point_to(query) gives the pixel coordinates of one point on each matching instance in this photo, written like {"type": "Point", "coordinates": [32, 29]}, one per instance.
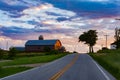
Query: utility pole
{"type": "Point", "coordinates": [106, 40]}
{"type": "Point", "coordinates": [7, 45]}
{"type": "Point", "coordinates": [101, 46]}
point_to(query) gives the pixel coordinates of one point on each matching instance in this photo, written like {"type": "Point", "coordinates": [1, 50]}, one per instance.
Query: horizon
{"type": "Point", "coordinates": [64, 20]}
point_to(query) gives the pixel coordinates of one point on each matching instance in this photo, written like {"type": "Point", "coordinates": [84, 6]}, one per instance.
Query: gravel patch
{"type": "Point", "coordinates": [26, 65]}
{"type": "Point", "coordinates": [5, 60]}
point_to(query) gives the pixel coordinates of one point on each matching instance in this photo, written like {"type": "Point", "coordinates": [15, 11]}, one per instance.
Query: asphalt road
{"type": "Point", "coordinates": [70, 67]}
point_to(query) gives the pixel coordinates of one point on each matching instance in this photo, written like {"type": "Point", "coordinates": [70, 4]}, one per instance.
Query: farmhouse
{"type": "Point", "coordinates": [40, 45]}
{"type": "Point", "coordinates": [113, 45]}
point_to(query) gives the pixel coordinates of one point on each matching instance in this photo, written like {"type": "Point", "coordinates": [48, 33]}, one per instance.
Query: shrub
{"type": "Point", "coordinates": [62, 49]}
{"type": "Point", "coordinates": [53, 52]}
{"type": "Point", "coordinates": [12, 53]}
{"type": "Point", "coordinates": [1, 53]}
{"type": "Point", "coordinates": [0, 68]}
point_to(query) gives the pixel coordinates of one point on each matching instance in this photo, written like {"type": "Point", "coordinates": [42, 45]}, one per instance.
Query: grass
{"type": "Point", "coordinates": [23, 54]}
{"type": "Point", "coordinates": [25, 60]}
{"type": "Point", "coordinates": [32, 60]}
{"type": "Point", "coordinates": [110, 60]}
{"type": "Point", "coordinates": [12, 70]}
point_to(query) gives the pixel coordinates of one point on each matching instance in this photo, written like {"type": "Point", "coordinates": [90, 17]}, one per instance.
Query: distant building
{"type": "Point", "coordinates": [40, 45]}
{"type": "Point", "coordinates": [113, 46]}
{"type": "Point", "coordinates": [20, 48]}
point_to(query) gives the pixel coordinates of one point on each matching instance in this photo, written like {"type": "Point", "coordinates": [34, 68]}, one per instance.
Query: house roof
{"type": "Point", "coordinates": [41, 42]}
{"type": "Point", "coordinates": [114, 43]}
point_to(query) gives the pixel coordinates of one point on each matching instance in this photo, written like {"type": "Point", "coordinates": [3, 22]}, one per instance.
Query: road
{"type": "Point", "coordinates": [70, 67]}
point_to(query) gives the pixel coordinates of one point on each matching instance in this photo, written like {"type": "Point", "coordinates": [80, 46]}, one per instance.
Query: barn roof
{"type": "Point", "coordinates": [41, 42]}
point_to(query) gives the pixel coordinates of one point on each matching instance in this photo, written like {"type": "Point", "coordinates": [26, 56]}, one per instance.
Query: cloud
{"type": "Point", "coordinates": [89, 8]}
{"type": "Point", "coordinates": [29, 19]}
{"type": "Point", "coordinates": [6, 42]}
{"type": "Point", "coordinates": [64, 22]}
{"type": "Point", "coordinates": [10, 8]}
{"type": "Point", "coordinates": [96, 0]}
{"type": "Point", "coordinates": [99, 1]}
{"type": "Point", "coordinates": [28, 3]}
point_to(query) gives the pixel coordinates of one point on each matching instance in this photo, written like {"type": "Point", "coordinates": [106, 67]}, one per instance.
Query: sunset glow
{"type": "Point", "coordinates": [64, 20]}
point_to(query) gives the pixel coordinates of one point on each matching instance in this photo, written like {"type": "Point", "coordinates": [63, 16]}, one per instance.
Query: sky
{"type": "Point", "coordinates": [22, 20]}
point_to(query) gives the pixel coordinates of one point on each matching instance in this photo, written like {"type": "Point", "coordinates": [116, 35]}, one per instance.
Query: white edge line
{"type": "Point", "coordinates": [105, 75]}
{"type": "Point", "coordinates": [101, 70]}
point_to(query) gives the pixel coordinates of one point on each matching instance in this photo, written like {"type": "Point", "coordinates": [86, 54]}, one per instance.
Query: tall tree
{"type": "Point", "coordinates": [117, 34]}
{"type": "Point", "coordinates": [117, 37]}
{"type": "Point", "coordinates": [89, 38]}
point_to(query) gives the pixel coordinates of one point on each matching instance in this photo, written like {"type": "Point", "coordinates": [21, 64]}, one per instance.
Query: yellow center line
{"type": "Point", "coordinates": [62, 71]}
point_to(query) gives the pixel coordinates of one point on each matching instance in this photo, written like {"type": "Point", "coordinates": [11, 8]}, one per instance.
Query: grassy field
{"type": "Point", "coordinates": [9, 71]}
{"type": "Point", "coordinates": [110, 60]}
{"type": "Point", "coordinates": [32, 60]}
{"type": "Point", "coordinates": [25, 60]}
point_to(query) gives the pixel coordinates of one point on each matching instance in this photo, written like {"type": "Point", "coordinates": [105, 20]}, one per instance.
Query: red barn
{"type": "Point", "coordinates": [40, 45]}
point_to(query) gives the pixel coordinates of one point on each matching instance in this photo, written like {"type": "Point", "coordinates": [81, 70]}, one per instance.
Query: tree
{"type": "Point", "coordinates": [90, 38]}
{"type": "Point", "coordinates": [117, 34]}
{"type": "Point", "coordinates": [62, 49]}
{"type": "Point", "coordinates": [12, 53]}
{"type": "Point", "coordinates": [1, 53]}
{"type": "Point", "coordinates": [0, 68]}
{"type": "Point", "coordinates": [41, 37]}
{"type": "Point", "coordinates": [117, 37]}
